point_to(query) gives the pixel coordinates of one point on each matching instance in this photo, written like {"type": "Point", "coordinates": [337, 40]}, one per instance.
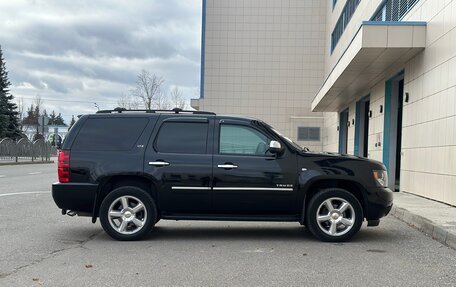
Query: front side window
{"type": "Point", "coordinates": [182, 137]}
{"type": "Point", "coordinates": [236, 139]}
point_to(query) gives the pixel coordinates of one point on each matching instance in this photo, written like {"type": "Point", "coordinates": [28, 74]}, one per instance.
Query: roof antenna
{"type": "Point", "coordinates": [177, 110]}
{"type": "Point", "coordinates": [119, 109]}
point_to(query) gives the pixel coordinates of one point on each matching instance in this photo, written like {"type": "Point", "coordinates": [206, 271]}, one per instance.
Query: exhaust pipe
{"type": "Point", "coordinates": [71, 213]}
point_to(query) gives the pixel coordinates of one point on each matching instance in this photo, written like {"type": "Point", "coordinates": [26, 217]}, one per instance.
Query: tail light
{"type": "Point", "coordinates": [64, 166]}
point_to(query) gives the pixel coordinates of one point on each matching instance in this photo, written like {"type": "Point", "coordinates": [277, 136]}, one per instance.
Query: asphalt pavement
{"type": "Point", "coordinates": [40, 247]}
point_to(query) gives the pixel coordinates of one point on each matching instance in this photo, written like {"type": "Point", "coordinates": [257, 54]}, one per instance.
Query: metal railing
{"type": "Point", "coordinates": [25, 150]}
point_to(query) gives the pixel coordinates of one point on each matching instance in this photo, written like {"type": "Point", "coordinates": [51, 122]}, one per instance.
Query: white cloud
{"type": "Point", "coordinates": [91, 51]}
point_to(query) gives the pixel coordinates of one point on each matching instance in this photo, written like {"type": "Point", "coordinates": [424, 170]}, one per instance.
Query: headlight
{"type": "Point", "coordinates": [381, 177]}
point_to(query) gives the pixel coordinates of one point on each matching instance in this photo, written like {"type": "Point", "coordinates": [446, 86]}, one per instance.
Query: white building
{"type": "Point", "coordinates": [366, 77]}
{"type": "Point", "coordinates": [265, 58]}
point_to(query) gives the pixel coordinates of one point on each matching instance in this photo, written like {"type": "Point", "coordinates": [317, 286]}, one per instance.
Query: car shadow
{"type": "Point", "coordinates": [250, 233]}
{"type": "Point", "coordinates": [270, 233]}
{"type": "Point", "coordinates": [232, 233]}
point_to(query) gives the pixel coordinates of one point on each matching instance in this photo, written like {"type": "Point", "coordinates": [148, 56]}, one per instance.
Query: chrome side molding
{"type": "Point", "coordinates": [190, 188]}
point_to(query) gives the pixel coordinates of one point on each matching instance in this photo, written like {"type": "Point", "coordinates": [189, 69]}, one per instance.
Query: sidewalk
{"type": "Point", "coordinates": [435, 219]}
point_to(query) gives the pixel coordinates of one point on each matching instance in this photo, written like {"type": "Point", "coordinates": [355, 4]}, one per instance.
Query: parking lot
{"type": "Point", "coordinates": [40, 247]}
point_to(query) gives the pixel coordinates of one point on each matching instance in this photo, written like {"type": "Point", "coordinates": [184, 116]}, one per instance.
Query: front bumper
{"type": "Point", "coordinates": [79, 197]}
{"type": "Point", "coordinates": [379, 203]}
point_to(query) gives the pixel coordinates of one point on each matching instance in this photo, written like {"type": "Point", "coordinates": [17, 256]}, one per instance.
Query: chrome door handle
{"type": "Point", "coordinates": [158, 163]}
{"type": "Point", "coordinates": [227, 166]}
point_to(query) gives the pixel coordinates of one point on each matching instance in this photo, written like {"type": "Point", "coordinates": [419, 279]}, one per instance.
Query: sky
{"type": "Point", "coordinates": [76, 53]}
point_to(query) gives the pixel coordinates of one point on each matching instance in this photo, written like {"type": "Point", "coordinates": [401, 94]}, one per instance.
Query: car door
{"type": "Point", "coordinates": [179, 161]}
{"type": "Point", "coordinates": [248, 179]}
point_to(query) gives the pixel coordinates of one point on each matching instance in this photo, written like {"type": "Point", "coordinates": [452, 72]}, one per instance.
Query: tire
{"type": "Point", "coordinates": [128, 213]}
{"type": "Point", "coordinates": [336, 225]}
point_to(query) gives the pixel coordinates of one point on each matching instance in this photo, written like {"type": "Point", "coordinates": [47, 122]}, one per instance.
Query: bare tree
{"type": "Point", "coordinates": [38, 107]}
{"type": "Point", "coordinates": [38, 101]}
{"type": "Point", "coordinates": [177, 99]}
{"type": "Point", "coordinates": [161, 101]}
{"type": "Point", "coordinates": [148, 90]}
{"type": "Point", "coordinates": [128, 102]}
{"type": "Point", "coordinates": [20, 107]}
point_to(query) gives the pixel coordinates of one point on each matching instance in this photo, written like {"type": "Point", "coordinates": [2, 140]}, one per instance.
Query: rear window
{"type": "Point", "coordinates": [179, 137]}
{"type": "Point", "coordinates": [110, 134]}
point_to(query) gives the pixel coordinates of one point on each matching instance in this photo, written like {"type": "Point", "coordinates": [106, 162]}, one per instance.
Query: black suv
{"type": "Point", "coordinates": [133, 168]}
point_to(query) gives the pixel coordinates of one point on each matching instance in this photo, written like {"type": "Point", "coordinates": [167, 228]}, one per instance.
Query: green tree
{"type": "Point", "coordinates": [9, 116]}
{"type": "Point", "coordinates": [52, 117]}
{"type": "Point", "coordinates": [56, 120]}
{"type": "Point", "coordinates": [32, 115]}
{"type": "Point", "coordinates": [59, 120]}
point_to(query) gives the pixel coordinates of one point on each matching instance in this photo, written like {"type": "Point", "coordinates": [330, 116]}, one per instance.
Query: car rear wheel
{"type": "Point", "coordinates": [128, 213]}
{"type": "Point", "coordinates": [334, 215]}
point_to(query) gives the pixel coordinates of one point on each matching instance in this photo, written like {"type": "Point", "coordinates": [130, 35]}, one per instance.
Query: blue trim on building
{"type": "Point", "coordinates": [359, 106]}
{"type": "Point", "coordinates": [203, 46]}
{"type": "Point", "coordinates": [357, 124]}
{"type": "Point", "coordinates": [387, 123]}
{"type": "Point", "coordinates": [387, 119]}
{"type": "Point", "coordinates": [343, 119]}
{"type": "Point", "coordinates": [395, 23]}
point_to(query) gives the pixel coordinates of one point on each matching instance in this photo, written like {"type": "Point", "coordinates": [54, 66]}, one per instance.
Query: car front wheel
{"type": "Point", "coordinates": [334, 215]}
{"type": "Point", "coordinates": [128, 213]}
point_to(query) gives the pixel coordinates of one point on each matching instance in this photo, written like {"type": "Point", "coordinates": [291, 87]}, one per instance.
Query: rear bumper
{"type": "Point", "coordinates": [380, 202]}
{"type": "Point", "coordinates": [78, 197]}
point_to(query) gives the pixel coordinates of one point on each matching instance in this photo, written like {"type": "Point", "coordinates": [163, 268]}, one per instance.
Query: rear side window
{"type": "Point", "coordinates": [111, 134]}
{"type": "Point", "coordinates": [181, 137]}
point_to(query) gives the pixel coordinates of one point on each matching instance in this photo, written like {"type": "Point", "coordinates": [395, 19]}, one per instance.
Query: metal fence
{"type": "Point", "coordinates": [25, 150]}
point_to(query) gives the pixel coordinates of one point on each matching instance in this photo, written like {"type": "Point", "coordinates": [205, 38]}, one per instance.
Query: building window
{"type": "Point", "coordinates": [308, 134]}
{"type": "Point", "coordinates": [345, 16]}
{"type": "Point", "coordinates": [393, 10]}
{"type": "Point", "coordinates": [334, 3]}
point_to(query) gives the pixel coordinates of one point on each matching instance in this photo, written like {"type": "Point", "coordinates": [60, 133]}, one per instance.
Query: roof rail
{"type": "Point", "coordinates": [175, 110]}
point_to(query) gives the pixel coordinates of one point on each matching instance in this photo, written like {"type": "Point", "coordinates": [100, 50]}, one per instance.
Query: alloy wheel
{"type": "Point", "coordinates": [127, 214]}
{"type": "Point", "coordinates": [335, 216]}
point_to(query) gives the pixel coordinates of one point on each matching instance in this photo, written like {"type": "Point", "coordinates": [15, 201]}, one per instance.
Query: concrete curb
{"type": "Point", "coordinates": [425, 225]}
{"type": "Point", "coordinates": [25, 162]}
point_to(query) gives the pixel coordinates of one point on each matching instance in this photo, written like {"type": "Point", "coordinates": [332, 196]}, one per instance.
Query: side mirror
{"type": "Point", "coordinates": [275, 147]}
